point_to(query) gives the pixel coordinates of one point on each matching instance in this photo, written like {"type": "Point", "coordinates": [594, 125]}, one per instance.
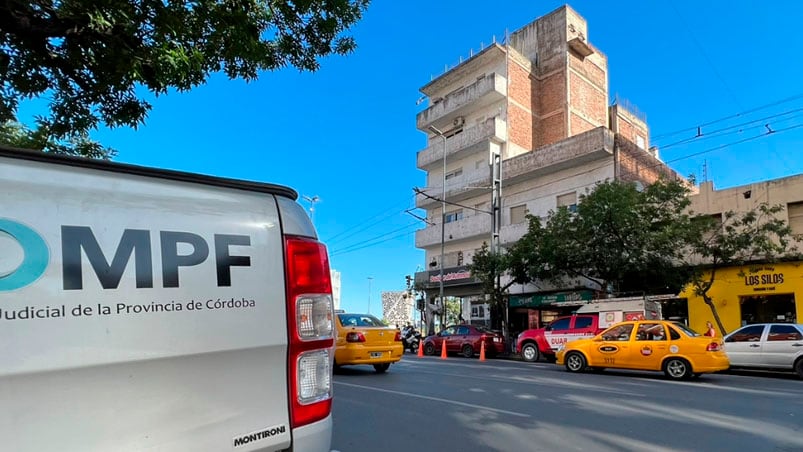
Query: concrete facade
{"type": "Point", "coordinates": [540, 101]}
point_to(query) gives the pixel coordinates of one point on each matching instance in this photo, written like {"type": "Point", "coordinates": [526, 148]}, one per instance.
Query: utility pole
{"type": "Point", "coordinates": [441, 303]}
{"type": "Point", "coordinates": [496, 224]}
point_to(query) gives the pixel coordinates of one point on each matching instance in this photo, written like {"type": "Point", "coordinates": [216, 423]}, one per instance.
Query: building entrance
{"type": "Point", "coordinates": [768, 309]}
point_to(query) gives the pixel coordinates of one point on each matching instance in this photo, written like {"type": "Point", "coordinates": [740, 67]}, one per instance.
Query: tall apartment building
{"type": "Point", "coordinates": [540, 102]}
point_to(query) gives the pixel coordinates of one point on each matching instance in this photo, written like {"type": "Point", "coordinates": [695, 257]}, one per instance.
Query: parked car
{"type": "Point", "coordinates": [534, 343]}
{"type": "Point", "coordinates": [647, 345]}
{"type": "Point", "coordinates": [466, 340]}
{"type": "Point", "coordinates": [772, 346]}
{"type": "Point", "coordinates": [364, 339]}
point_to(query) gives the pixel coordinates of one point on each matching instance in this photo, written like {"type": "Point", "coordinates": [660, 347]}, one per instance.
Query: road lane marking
{"type": "Point", "coordinates": [436, 399]}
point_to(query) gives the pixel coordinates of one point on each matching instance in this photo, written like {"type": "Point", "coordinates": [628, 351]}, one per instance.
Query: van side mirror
{"type": "Point", "coordinates": [548, 328]}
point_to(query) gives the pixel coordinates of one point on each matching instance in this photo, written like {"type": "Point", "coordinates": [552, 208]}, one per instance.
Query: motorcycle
{"type": "Point", "coordinates": [411, 339]}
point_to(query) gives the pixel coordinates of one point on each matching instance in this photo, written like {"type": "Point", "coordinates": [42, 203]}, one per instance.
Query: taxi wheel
{"type": "Point", "coordinates": [381, 368]}
{"type": "Point", "coordinates": [429, 349]}
{"type": "Point", "coordinates": [468, 351]}
{"type": "Point", "coordinates": [529, 353]}
{"type": "Point", "coordinates": [575, 362]}
{"type": "Point", "coordinates": [677, 369]}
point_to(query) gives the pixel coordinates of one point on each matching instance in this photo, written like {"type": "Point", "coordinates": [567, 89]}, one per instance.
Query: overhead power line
{"type": "Point", "coordinates": [736, 128]}
{"type": "Point", "coordinates": [374, 240]}
{"type": "Point", "coordinates": [364, 225]}
{"type": "Point", "coordinates": [726, 118]}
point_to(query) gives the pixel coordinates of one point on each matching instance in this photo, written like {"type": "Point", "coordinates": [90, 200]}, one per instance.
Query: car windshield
{"type": "Point", "coordinates": [689, 332]}
{"type": "Point", "coordinates": [359, 320]}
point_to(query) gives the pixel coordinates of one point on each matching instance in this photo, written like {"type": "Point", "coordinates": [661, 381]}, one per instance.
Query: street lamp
{"type": "Point", "coordinates": [370, 278]}
{"type": "Point", "coordinates": [443, 220]}
{"type": "Point", "coordinates": [312, 200]}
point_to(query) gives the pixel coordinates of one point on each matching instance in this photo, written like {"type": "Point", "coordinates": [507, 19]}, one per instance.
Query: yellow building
{"type": "Point", "coordinates": [750, 294]}
{"type": "Point", "coordinates": [760, 293]}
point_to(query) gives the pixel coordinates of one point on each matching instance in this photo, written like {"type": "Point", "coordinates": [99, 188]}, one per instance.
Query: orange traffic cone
{"type": "Point", "coordinates": [443, 349]}
{"type": "Point", "coordinates": [482, 351]}
{"type": "Point", "coordinates": [420, 349]}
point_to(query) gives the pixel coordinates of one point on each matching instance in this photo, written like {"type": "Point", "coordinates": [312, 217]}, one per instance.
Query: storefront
{"type": "Point", "coordinates": [751, 294]}
{"type": "Point", "coordinates": [536, 310]}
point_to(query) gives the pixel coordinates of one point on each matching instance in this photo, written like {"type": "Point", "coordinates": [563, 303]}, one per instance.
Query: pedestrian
{"type": "Point", "coordinates": [710, 331]}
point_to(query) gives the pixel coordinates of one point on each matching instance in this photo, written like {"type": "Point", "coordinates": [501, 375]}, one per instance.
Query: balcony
{"type": "Point", "coordinates": [476, 225]}
{"type": "Point", "coordinates": [482, 93]}
{"type": "Point", "coordinates": [471, 141]}
{"type": "Point", "coordinates": [468, 185]}
{"type": "Point", "coordinates": [587, 147]}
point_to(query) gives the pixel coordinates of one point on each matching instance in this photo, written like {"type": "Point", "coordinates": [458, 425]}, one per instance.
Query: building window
{"type": "Point", "coordinates": [453, 174]}
{"type": "Point", "coordinates": [454, 216]}
{"type": "Point", "coordinates": [640, 142]}
{"type": "Point", "coordinates": [518, 214]}
{"type": "Point", "coordinates": [569, 200]}
{"type": "Point", "coordinates": [795, 211]}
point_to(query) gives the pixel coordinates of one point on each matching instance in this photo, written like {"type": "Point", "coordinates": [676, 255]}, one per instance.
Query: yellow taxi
{"type": "Point", "coordinates": [656, 345]}
{"type": "Point", "coordinates": [364, 339]}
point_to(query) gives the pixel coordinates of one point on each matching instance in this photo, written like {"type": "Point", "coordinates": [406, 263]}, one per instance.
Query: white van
{"type": "Point", "coordinates": [143, 309]}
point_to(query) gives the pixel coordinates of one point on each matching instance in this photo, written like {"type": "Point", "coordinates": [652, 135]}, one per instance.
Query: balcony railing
{"type": "Point", "coordinates": [470, 227]}
{"type": "Point", "coordinates": [466, 186]}
{"type": "Point", "coordinates": [483, 92]}
{"type": "Point", "coordinates": [471, 140]}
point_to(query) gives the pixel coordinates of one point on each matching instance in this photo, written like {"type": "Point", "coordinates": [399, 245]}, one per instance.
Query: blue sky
{"type": "Point", "coordinates": [347, 132]}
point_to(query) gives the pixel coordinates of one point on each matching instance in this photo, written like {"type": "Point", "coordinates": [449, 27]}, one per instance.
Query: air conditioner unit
{"type": "Point", "coordinates": [459, 121]}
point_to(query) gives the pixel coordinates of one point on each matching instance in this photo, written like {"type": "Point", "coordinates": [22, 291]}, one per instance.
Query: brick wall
{"type": "Point", "coordinates": [635, 164]}
{"type": "Point", "coordinates": [587, 102]}
{"type": "Point", "coordinates": [628, 125]}
{"type": "Point", "coordinates": [553, 128]}
{"type": "Point", "coordinates": [520, 106]}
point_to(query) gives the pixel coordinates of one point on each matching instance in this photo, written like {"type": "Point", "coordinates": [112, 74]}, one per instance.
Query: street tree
{"type": "Point", "coordinates": [95, 61]}
{"type": "Point", "coordinates": [737, 239]}
{"type": "Point", "coordinates": [620, 238]}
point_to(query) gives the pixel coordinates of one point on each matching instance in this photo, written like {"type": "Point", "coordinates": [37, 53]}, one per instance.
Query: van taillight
{"type": "Point", "coordinates": [310, 330]}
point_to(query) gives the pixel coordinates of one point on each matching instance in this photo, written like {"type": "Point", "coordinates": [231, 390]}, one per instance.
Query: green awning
{"type": "Point", "coordinates": [550, 299]}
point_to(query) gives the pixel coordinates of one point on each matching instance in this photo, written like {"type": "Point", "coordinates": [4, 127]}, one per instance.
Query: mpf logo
{"type": "Point", "coordinates": [16, 274]}
{"type": "Point", "coordinates": [79, 244]}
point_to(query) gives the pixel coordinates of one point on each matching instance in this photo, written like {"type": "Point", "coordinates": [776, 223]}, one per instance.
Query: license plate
{"type": "Point", "coordinates": [376, 354]}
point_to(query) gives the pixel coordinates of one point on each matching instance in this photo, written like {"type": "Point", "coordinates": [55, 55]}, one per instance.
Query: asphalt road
{"type": "Point", "coordinates": [458, 404]}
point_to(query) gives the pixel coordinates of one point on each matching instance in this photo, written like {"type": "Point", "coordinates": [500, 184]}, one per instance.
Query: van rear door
{"type": "Point", "coordinates": [139, 312]}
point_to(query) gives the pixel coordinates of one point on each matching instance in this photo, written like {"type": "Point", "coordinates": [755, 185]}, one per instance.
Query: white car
{"type": "Point", "coordinates": [771, 346]}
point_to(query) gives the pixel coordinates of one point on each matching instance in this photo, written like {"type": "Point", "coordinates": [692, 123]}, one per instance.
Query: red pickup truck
{"type": "Point", "coordinates": [534, 343]}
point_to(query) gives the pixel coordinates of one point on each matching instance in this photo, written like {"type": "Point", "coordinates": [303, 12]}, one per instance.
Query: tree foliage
{"type": "Point", "coordinates": [18, 135]}
{"type": "Point", "coordinates": [93, 59]}
{"type": "Point", "coordinates": [620, 238]}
